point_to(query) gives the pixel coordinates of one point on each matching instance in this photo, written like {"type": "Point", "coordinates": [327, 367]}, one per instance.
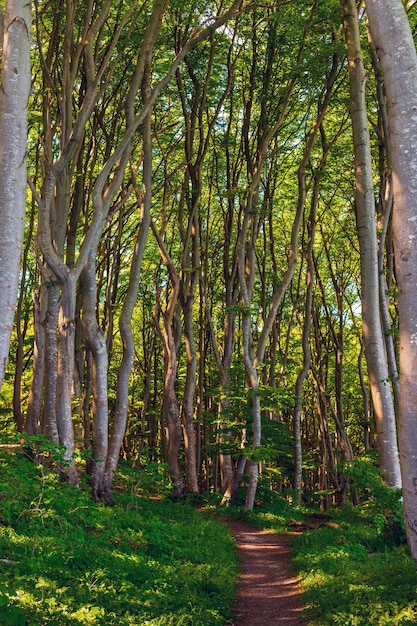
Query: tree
{"type": "Point", "coordinates": [375, 350]}
{"type": "Point", "coordinates": [225, 162]}
{"type": "Point", "coordinates": [91, 46]}
{"type": "Point", "coordinates": [14, 94]}
{"type": "Point", "coordinates": [391, 34]}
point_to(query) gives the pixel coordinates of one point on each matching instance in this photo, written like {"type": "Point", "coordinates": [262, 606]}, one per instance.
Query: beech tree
{"type": "Point", "coordinates": [230, 340]}
{"type": "Point", "coordinates": [395, 49]}
{"type": "Point", "coordinates": [15, 29]}
{"type": "Point", "coordinates": [375, 350]}
{"type": "Point", "coordinates": [89, 60]}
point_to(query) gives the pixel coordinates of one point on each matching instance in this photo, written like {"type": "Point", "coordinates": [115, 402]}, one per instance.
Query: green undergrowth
{"type": "Point", "coordinates": [144, 561]}
{"type": "Point", "coordinates": [347, 582]}
{"type": "Point", "coordinates": [355, 566]}
{"type": "Point", "coordinates": [357, 569]}
{"type": "Point", "coordinates": [148, 560]}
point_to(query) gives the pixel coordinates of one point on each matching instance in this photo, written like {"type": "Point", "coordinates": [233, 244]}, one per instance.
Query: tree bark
{"type": "Point", "coordinates": [366, 222]}
{"type": "Point", "coordinates": [33, 414]}
{"type": "Point", "coordinates": [14, 94]}
{"type": "Point", "coordinates": [395, 48]}
{"type": "Point", "coordinates": [170, 402]}
{"type": "Point", "coordinates": [96, 342]}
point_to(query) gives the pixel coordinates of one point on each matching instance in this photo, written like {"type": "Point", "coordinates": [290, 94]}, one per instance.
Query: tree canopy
{"type": "Point", "coordinates": [208, 276]}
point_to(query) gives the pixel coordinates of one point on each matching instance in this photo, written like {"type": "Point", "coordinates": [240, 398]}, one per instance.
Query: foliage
{"type": "Point", "coordinates": [208, 127]}
{"type": "Point", "coordinates": [66, 560]}
{"type": "Point", "coordinates": [353, 562]}
{"type": "Point", "coordinates": [356, 568]}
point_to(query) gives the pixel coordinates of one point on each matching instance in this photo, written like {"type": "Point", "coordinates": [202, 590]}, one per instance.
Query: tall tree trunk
{"type": "Point", "coordinates": [96, 342]}
{"type": "Point", "coordinates": [170, 402]}
{"type": "Point", "coordinates": [33, 415]}
{"type": "Point", "coordinates": [14, 94]}
{"type": "Point", "coordinates": [302, 375]}
{"type": "Point", "coordinates": [66, 359]}
{"type": "Point", "coordinates": [384, 212]}
{"type": "Point", "coordinates": [395, 48]}
{"type": "Point", "coordinates": [48, 423]}
{"type": "Point", "coordinates": [375, 353]}
{"type": "Point", "coordinates": [188, 399]}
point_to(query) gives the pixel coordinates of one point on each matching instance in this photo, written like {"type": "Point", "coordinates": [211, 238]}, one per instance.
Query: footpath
{"type": "Point", "coordinates": [268, 591]}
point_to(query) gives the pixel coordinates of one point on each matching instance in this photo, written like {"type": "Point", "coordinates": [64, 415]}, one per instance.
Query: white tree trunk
{"type": "Point", "coordinates": [14, 93]}
{"type": "Point", "coordinates": [395, 48]}
{"type": "Point", "coordinates": [375, 353]}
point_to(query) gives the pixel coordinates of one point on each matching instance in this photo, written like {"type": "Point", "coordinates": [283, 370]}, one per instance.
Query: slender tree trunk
{"type": "Point", "coordinates": [125, 326]}
{"type": "Point", "coordinates": [141, 79]}
{"type": "Point", "coordinates": [384, 211]}
{"type": "Point", "coordinates": [365, 395]}
{"type": "Point", "coordinates": [172, 413]}
{"type": "Point", "coordinates": [170, 402]}
{"type": "Point", "coordinates": [224, 363]}
{"type": "Point", "coordinates": [17, 382]}
{"type": "Point", "coordinates": [396, 51]}
{"type": "Point", "coordinates": [66, 357]}
{"type": "Point", "coordinates": [310, 277]}
{"type": "Point", "coordinates": [33, 415]}
{"type": "Point", "coordinates": [49, 422]}
{"type": "Point", "coordinates": [226, 464]}
{"type": "Point", "coordinates": [365, 207]}
{"type": "Point", "coordinates": [97, 344]}
{"type": "Point", "coordinates": [188, 399]}
{"type": "Point", "coordinates": [14, 94]}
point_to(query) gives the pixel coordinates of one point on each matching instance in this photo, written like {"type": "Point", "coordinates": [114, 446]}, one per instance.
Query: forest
{"type": "Point", "coordinates": [208, 281]}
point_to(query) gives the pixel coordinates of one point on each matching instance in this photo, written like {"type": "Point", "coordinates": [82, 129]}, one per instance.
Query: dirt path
{"type": "Point", "coordinates": [268, 591]}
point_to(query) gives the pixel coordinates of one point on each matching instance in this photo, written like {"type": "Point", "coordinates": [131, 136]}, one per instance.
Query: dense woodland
{"type": "Point", "coordinates": [201, 285]}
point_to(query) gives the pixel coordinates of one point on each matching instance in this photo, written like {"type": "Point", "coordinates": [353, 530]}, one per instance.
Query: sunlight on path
{"type": "Point", "coordinates": [268, 591]}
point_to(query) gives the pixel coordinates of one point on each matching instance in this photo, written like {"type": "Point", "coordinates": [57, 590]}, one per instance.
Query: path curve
{"type": "Point", "coordinates": [268, 590]}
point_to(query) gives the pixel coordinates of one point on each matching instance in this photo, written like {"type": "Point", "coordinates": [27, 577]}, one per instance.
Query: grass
{"type": "Point", "coordinates": [358, 572]}
{"type": "Point", "coordinates": [355, 569]}
{"type": "Point", "coordinates": [65, 560]}
{"type": "Point", "coordinates": [144, 561]}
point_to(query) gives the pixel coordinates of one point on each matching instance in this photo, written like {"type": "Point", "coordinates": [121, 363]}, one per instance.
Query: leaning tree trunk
{"type": "Point", "coordinates": [14, 94]}
{"type": "Point", "coordinates": [395, 48]}
{"type": "Point", "coordinates": [365, 208]}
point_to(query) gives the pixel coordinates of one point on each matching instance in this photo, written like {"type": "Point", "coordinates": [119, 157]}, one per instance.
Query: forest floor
{"type": "Point", "coordinates": [268, 590]}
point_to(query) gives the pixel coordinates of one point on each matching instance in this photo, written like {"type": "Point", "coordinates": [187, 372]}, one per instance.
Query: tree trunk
{"type": "Point", "coordinates": [384, 211]}
{"type": "Point", "coordinates": [188, 399]}
{"type": "Point", "coordinates": [66, 359]}
{"type": "Point", "coordinates": [170, 402]}
{"type": "Point", "coordinates": [172, 414]}
{"type": "Point", "coordinates": [306, 349]}
{"type": "Point", "coordinates": [14, 94]}
{"type": "Point", "coordinates": [395, 48]}
{"type": "Point", "coordinates": [365, 208]}
{"type": "Point", "coordinates": [33, 415]}
{"type": "Point", "coordinates": [96, 342]}
{"type": "Point", "coordinates": [48, 423]}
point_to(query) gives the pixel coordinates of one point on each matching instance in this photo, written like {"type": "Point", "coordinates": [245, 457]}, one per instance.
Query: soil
{"type": "Point", "coordinates": [268, 590]}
